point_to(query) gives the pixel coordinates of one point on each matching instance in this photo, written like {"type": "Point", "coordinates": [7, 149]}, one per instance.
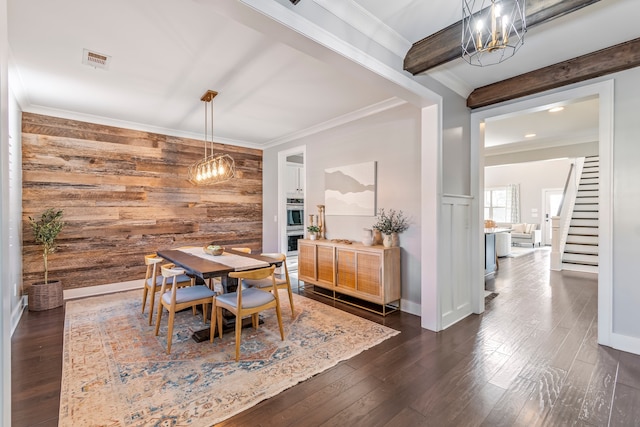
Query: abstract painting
{"type": "Point", "coordinates": [350, 190]}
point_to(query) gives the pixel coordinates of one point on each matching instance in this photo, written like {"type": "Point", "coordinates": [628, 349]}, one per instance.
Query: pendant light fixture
{"type": "Point", "coordinates": [212, 168]}
{"type": "Point", "coordinates": [492, 30]}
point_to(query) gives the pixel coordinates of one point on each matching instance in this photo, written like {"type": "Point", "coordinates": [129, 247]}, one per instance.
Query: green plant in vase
{"type": "Point", "coordinates": [45, 232]}
{"type": "Point", "coordinates": [313, 231]}
{"type": "Point", "coordinates": [390, 224]}
{"type": "Point", "coordinates": [43, 296]}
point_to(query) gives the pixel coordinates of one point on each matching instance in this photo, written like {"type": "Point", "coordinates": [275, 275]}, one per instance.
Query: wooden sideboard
{"type": "Point", "coordinates": [352, 272]}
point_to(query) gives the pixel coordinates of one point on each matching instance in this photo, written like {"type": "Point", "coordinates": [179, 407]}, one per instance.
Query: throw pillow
{"type": "Point", "coordinates": [529, 228]}
{"type": "Point", "coordinates": [518, 228]}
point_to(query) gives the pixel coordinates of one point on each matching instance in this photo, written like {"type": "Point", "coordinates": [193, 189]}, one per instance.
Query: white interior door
{"type": "Point", "coordinates": [552, 199]}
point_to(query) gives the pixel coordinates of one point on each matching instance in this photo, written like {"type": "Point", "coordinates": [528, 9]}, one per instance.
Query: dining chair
{"type": "Point", "coordinates": [245, 250]}
{"type": "Point", "coordinates": [245, 302]}
{"type": "Point", "coordinates": [153, 282]}
{"type": "Point", "coordinates": [282, 281]}
{"type": "Point", "coordinates": [177, 298]}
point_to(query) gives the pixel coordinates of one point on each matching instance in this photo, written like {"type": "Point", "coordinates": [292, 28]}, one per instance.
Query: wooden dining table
{"type": "Point", "coordinates": [206, 267]}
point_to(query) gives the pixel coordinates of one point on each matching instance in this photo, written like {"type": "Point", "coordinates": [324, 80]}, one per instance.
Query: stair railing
{"type": "Point", "coordinates": [562, 222]}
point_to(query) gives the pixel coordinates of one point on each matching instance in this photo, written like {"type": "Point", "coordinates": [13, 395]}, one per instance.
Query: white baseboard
{"type": "Point", "coordinates": [625, 343]}
{"type": "Point", "coordinates": [16, 313]}
{"type": "Point", "coordinates": [102, 289]}
{"type": "Point", "coordinates": [410, 307]}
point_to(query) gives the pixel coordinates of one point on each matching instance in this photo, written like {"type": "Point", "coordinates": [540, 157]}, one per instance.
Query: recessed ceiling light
{"type": "Point", "coordinates": [556, 109]}
{"type": "Point", "coordinates": [530, 135]}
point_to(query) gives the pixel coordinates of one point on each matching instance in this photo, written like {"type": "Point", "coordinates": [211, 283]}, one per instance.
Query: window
{"type": "Point", "coordinates": [495, 204]}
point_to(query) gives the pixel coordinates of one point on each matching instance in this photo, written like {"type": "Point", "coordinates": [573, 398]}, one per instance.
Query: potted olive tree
{"type": "Point", "coordinates": [46, 295]}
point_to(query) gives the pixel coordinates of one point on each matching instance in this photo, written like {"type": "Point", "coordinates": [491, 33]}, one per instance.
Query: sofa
{"type": "Point", "coordinates": [524, 233]}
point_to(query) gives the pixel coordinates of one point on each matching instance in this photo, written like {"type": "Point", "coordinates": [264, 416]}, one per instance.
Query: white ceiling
{"type": "Point", "coordinates": [274, 83]}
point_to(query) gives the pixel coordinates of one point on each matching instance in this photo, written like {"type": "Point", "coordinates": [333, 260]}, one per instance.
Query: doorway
{"type": "Point", "coordinates": [291, 200]}
{"type": "Point", "coordinates": [604, 92]}
{"type": "Point", "coordinates": [552, 198]}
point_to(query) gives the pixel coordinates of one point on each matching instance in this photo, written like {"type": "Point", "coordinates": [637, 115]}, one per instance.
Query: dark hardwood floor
{"type": "Point", "coordinates": [531, 359]}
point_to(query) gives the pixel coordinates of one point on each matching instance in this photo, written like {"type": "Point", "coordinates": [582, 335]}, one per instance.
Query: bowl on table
{"type": "Point", "coordinates": [215, 250]}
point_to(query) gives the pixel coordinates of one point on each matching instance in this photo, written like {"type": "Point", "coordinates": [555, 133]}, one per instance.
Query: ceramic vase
{"type": "Point", "coordinates": [377, 237]}
{"type": "Point", "coordinates": [367, 236]}
{"type": "Point", "coordinates": [390, 240]}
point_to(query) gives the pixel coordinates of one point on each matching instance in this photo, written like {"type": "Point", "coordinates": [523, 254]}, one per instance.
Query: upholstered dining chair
{"type": "Point", "coordinates": [245, 302]}
{"type": "Point", "coordinates": [282, 280]}
{"type": "Point", "coordinates": [176, 299]}
{"type": "Point", "coordinates": [153, 282]}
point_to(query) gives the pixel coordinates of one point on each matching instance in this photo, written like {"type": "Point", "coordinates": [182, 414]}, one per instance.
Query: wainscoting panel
{"type": "Point", "coordinates": [125, 194]}
{"type": "Point", "coordinates": [455, 271]}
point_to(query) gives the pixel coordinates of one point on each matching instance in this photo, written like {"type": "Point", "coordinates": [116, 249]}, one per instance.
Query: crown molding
{"type": "Point", "coordinates": [105, 121]}
{"type": "Point", "coordinates": [366, 23]}
{"type": "Point", "coordinates": [338, 121]}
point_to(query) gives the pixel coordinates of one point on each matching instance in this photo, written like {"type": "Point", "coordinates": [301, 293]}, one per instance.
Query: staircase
{"type": "Point", "coordinates": [581, 249]}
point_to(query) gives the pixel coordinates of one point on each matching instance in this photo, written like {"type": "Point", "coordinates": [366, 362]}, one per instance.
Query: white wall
{"type": "Point", "coordinates": [392, 139]}
{"type": "Point", "coordinates": [5, 289]}
{"type": "Point", "coordinates": [15, 210]}
{"type": "Point", "coordinates": [626, 205]}
{"type": "Point", "coordinates": [456, 147]}
{"type": "Point", "coordinates": [533, 177]}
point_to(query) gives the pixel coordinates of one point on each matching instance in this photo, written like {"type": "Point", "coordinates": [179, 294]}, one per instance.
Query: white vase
{"type": "Point", "coordinates": [312, 236]}
{"type": "Point", "coordinates": [367, 237]}
{"type": "Point", "coordinates": [386, 240]}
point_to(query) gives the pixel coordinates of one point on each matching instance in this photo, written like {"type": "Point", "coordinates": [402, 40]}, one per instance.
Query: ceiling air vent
{"type": "Point", "coordinates": [95, 59]}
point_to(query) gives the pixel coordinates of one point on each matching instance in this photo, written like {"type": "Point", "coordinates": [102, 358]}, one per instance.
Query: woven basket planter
{"type": "Point", "coordinates": [45, 296]}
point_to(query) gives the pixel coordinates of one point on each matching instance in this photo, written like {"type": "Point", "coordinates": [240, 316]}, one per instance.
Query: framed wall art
{"type": "Point", "coordinates": [350, 190]}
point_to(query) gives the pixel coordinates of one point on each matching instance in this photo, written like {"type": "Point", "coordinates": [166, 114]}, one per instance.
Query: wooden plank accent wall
{"type": "Point", "coordinates": [125, 194]}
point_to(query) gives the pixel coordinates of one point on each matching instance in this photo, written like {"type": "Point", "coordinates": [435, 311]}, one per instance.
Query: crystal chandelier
{"type": "Point", "coordinates": [492, 30]}
{"type": "Point", "coordinates": [213, 168]}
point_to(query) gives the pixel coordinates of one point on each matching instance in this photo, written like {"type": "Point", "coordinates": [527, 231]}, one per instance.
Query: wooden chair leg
{"type": "Point", "coordinates": [144, 296]}
{"type": "Point", "coordinates": [152, 303]}
{"type": "Point", "coordinates": [291, 300]}
{"type": "Point", "coordinates": [219, 316]}
{"type": "Point", "coordinates": [172, 316]}
{"type": "Point", "coordinates": [158, 318]}
{"type": "Point", "coordinates": [204, 312]}
{"type": "Point", "coordinates": [279, 315]}
{"type": "Point", "coordinates": [214, 315]}
{"type": "Point", "coordinates": [238, 336]}
{"type": "Point", "coordinates": [255, 321]}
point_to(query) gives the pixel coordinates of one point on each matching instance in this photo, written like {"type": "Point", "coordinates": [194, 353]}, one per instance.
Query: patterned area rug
{"type": "Point", "coordinates": [116, 371]}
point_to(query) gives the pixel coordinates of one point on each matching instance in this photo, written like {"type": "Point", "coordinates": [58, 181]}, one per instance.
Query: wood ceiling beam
{"type": "Point", "coordinates": [445, 45]}
{"type": "Point", "coordinates": [606, 61]}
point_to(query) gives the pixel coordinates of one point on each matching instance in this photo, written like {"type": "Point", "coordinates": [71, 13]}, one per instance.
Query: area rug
{"type": "Point", "coordinates": [116, 371]}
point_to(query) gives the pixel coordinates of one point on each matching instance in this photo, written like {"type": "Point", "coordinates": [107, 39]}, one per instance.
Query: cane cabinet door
{"type": "Point", "coordinates": [326, 266]}
{"type": "Point", "coordinates": [306, 261]}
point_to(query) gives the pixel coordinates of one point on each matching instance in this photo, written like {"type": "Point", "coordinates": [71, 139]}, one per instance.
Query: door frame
{"type": "Point", "coordinates": [604, 90]}
{"type": "Point", "coordinates": [282, 191]}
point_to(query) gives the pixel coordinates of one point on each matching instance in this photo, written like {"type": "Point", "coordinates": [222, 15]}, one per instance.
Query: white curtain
{"type": "Point", "coordinates": [513, 203]}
